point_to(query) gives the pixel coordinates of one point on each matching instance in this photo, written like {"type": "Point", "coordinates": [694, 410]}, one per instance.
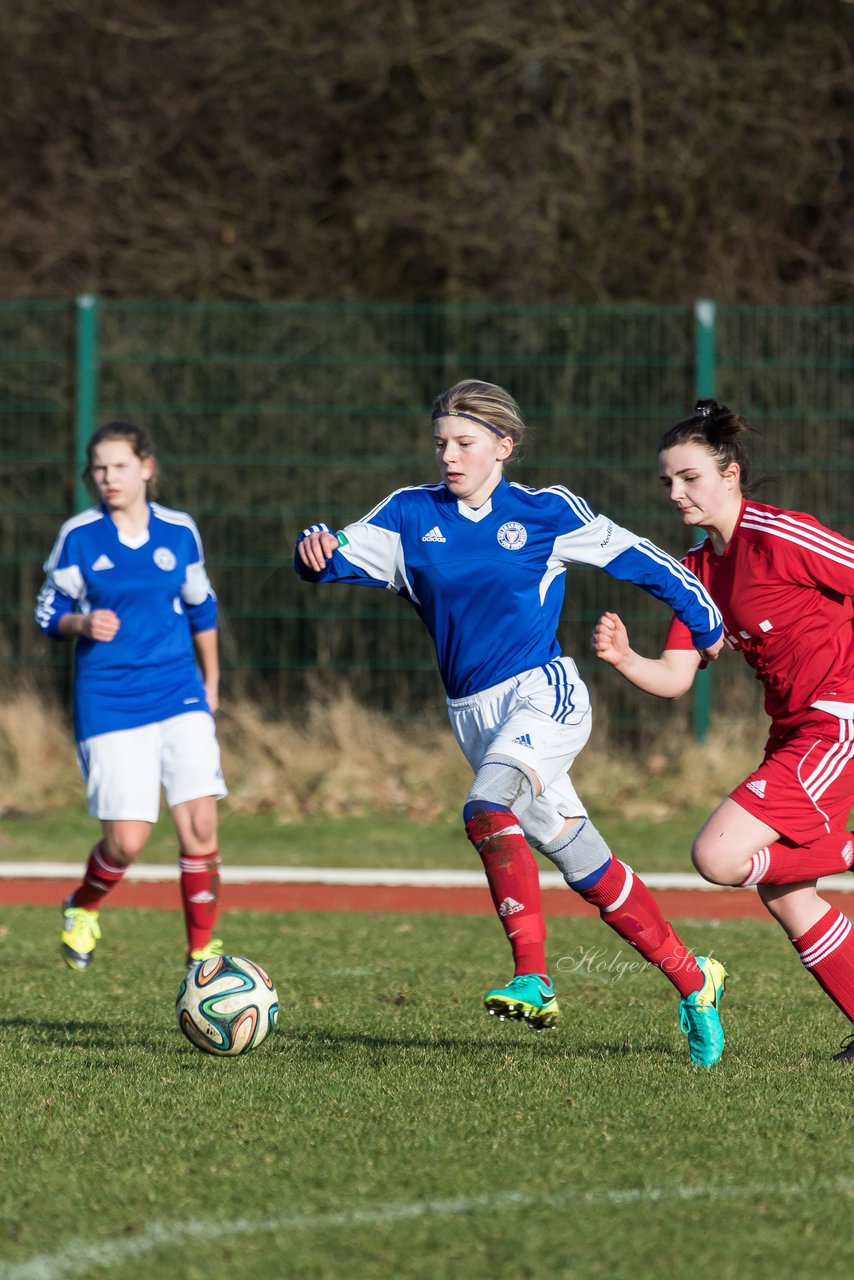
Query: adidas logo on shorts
{"type": "Point", "coordinates": [524, 740]}
{"type": "Point", "coordinates": [509, 907]}
{"type": "Point", "coordinates": [435, 535]}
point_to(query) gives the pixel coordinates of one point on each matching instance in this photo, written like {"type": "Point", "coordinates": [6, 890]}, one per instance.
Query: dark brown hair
{"type": "Point", "coordinates": [721, 432]}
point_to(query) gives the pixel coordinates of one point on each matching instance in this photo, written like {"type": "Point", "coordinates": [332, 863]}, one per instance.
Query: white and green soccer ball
{"type": "Point", "coordinates": [227, 1005]}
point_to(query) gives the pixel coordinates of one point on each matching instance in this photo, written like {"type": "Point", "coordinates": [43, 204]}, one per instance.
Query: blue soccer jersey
{"type": "Point", "coordinates": [158, 587]}
{"type": "Point", "coordinates": [488, 582]}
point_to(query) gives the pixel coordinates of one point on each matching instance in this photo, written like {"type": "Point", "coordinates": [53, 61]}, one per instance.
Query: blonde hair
{"type": "Point", "coordinates": [488, 401]}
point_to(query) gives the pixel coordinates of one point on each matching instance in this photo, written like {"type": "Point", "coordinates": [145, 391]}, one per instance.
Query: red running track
{"type": "Point", "coordinates": [725, 904]}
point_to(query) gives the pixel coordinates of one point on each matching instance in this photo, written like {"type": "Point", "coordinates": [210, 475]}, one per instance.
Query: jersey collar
{"type": "Point", "coordinates": [134, 542]}
{"type": "Point", "coordinates": [476, 514]}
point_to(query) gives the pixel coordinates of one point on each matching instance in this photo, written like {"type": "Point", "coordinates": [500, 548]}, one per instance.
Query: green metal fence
{"type": "Point", "coordinates": [270, 417]}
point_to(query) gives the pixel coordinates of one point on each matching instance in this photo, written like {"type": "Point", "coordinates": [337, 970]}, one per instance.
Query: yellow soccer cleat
{"type": "Point", "coordinates": [80, 934]}
{"type": "Point", "coordinates": [210, 952]}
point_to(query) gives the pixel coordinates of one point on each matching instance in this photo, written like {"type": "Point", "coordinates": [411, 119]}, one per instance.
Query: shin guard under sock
{"type": "Point", "coordinates": [827, 952]}
{"type": "Point", "coordinates": [627, 906]}
{"type": "Point", "coordinates": [99, 878]}
{"type": "Point", "coordinates": [514, 883]}
{"type": "Point", "coordinates": [200, 896]}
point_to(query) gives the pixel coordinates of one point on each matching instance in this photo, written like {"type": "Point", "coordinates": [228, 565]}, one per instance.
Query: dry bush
{"type": "Point", "coordinates": [343, 758]}
{"type": "Point", "coordinates": [38, 769]}
{"type": "Point", "coordinates": [671, 772]}
{"type": "Point", "coordinates": [340, 758]}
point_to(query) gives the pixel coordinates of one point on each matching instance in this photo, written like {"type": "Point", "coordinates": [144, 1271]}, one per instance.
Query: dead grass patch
{"type": "Point", "coordinates": [341, 757]}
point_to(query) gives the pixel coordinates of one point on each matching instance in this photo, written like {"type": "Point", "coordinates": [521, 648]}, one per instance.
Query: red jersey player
{"type": "Point", "coordinates": [783, 584]}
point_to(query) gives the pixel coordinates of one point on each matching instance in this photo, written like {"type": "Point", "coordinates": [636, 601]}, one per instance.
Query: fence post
{"type": "Point", "coordinates": [704, 388]}
{"type": "Point", "coordinates": [85, 389]}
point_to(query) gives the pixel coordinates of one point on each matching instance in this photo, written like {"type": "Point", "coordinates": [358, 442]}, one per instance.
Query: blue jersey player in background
{"type": "Point", "coordinates": [483, 563]}
{"type": "Point", "coordinates": [126, 581]}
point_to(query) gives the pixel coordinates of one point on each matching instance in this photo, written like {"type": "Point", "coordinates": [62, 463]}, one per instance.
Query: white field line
{"type": "Point", "coordinates": [389, 877]}
{"type": "Point", "coordinates": [78, 1257]}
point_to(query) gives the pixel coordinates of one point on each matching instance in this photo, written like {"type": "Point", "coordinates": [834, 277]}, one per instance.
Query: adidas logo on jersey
{"type": "Point", "coordinates": [758, 788]}
{"type": "Point", "coordinates": [524, 740]}
{"type": "Point", "coordinates": [435, 535]}
{"type": "Point", "coordinates": [103, 562]}
{"type": "Point", "coordinates": [509, 907]}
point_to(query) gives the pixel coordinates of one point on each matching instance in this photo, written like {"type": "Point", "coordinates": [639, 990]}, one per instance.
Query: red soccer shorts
{"type": "Point", "coordinates": [804, 787]}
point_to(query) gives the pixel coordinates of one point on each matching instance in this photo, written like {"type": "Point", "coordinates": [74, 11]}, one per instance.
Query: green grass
{"type": "Point", "coordinates": [264, 840]}
{"type": "Point", "coordinates": [391, 1129]}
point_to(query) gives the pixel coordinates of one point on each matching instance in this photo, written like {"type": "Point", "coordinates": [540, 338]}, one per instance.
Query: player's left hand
{"type": "Point", "coordinates": [610, 640]}
{"type": "Point", "coordinates": [709, 655]}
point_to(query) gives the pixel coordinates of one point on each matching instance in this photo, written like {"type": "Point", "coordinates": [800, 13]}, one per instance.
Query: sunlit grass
{"type": "Point", "coordinates": [594, 1150]}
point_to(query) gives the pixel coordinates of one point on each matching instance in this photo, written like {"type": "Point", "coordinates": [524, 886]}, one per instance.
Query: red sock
{"type": "Point", "coordinates": [782, 863]}
{"type": "Point", "coordinates": [827, 952]}
{"type": "Point", "coordinates": [200, 895]}
{"type": "Point", "coordinates": [99, 878]}
{"type": "Point", "coordinates": [628, 907]}
{"type": "Point", "coordinates": [514, 883]}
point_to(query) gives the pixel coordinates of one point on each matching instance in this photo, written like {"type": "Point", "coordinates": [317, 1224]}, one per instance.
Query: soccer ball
{"type": "Point", "coordinates": [227, 1005]}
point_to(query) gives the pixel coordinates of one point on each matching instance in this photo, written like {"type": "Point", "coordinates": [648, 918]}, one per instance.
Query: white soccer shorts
{"type": "Point", "coordinates": [541, 718]}
{"type": "Point", "coordinates": [124, 770]}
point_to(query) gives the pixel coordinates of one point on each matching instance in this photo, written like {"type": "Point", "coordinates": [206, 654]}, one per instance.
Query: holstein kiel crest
{"type": "Point", "coordinates": [512, 535]}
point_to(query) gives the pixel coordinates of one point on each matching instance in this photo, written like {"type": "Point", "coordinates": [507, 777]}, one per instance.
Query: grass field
{"type": "Point", "coordinates": [391, 1129]}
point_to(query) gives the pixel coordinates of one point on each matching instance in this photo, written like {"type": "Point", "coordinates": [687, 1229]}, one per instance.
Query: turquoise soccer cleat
{"type": "Point", "coordinates": [528, 998]}
{"type": "Point", "coordinates": [698, 1014]}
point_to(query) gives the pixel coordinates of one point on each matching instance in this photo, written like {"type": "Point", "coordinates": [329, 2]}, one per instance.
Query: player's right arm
{"type": "Point", "coordinates": [668, 676]}
{"type": "Point", "coordinates": [316, 547]}
{"type": "Point", "coordinates": [100, 624]}
{"type": "Point", "coordinates": [62, 610]}
{"type": "Point", "coordinates": [369, 552]}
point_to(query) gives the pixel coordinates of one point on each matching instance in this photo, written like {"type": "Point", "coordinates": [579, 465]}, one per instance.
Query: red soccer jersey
{"type": "Point", "coordinates": [783, 586]}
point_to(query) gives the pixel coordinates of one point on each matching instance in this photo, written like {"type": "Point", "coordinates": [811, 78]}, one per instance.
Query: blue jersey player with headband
{"type": "Point", "coordinates": [483, 562]}
{"type": "Point", "coordinates": [126, 581]}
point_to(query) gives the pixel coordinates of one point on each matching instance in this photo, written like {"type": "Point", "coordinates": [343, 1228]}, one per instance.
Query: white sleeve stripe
{"type": "Point", "coordinates": [579, 506]}
{"type": "Point", "coordinates": [787, 519]}
{"type": "Point", "coordinates": [409, 488]}
{"type": "Point", "coordinates": [685, 576]}
{"type": "Point", "coordinates": [585, 513]}
{"type": "Point", "coordinates": [810, 539]}
{"type": "Point", "coordinates": [847, 561]}
{"type": "Point", "coordinates": [180, 518]}
{"type": "Point", "coordinates": [76, 522]}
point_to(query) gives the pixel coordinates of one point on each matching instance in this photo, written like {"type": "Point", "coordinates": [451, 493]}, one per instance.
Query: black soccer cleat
{"type": "Point", "coordinates": [845, 1057]}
